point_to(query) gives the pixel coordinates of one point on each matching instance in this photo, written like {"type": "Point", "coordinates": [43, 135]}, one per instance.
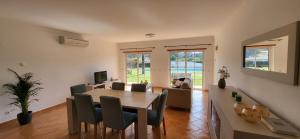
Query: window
{"type": "Point", "coordinates": [137, 67]}
{"type": "Point", "coordinates": [187, 64]}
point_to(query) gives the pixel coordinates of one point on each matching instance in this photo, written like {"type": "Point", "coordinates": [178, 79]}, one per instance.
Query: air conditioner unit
{"type": "Point", "coordinates": [73, 41]}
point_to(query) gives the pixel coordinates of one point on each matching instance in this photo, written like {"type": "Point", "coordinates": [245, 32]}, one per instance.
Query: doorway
{"type": "Point", "coordinates": [138, 67]}
{"type": "Point", "coordinates": [188, 64]}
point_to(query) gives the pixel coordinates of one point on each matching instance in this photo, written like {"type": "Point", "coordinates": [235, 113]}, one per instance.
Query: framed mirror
{"type": "Point", "coordinates": [274, 55]}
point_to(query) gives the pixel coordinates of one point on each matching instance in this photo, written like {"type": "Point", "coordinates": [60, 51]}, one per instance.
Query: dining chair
{"type": "Point", "coordinates": [114, 117]}
{"type": "Point", "coordinates": [156, 117]}
{"type": "Point", "coordinates": [87, 113]}
{"type": "Point", "coordinates": [118, 86]}
{"type": "Point", "coordinates": [78, 89]}
{"type": "Point", "coordinates": [138, 87]}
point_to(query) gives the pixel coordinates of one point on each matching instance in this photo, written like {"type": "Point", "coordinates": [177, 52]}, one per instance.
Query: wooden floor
{"type": "Point", "coordinates": [53, 124]}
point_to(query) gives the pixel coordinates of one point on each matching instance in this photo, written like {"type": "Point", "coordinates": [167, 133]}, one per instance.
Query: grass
{"type": "Point", "coordinates": [132, 77]}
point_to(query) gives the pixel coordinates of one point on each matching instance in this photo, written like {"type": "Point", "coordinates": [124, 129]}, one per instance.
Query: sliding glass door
{"type": "Point", "coordinates": [188, 63]}
{"type": "Point", "coordinates": [137, 67]}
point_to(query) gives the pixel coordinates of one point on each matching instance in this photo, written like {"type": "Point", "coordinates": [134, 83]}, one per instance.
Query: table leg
{"type": "Point", "coordinates": [72, 116]}
{"type": "Point", "coordinates": [142, 123]}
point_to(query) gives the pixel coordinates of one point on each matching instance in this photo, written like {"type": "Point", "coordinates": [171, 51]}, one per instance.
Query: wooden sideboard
{"type": "Point", "coordinates": [224, 123]}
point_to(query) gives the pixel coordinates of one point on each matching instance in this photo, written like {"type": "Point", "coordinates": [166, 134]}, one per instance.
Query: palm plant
{"type": "Point", "coordinates": [23, 90]}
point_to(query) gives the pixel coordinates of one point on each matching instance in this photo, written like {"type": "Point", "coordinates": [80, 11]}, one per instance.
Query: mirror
{"type": "Point", "coordinates": [274, 55]}
{"type": "Point", "coordinates": [269, 55]}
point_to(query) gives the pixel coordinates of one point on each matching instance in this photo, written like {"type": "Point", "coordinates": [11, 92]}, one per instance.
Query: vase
{"type": "Point", "coordinates": [222, 83]}
{"type": "Point", "coordinates": [24, 118]}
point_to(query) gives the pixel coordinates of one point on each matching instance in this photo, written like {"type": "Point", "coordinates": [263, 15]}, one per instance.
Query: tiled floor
{"type": "Point", "coordinates": [53, 124]}
{"type": "Point", "coordinates": [182, 124]}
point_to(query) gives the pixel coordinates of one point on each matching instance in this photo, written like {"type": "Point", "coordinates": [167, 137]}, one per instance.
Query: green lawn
{"type": "Point", "coordinates": [132, 77]}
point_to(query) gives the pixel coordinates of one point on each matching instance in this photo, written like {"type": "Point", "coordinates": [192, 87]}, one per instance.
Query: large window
{"type": "Point", "coordinates": [187, 64]}
{"type": "Point", "coordinates": [137, 67]}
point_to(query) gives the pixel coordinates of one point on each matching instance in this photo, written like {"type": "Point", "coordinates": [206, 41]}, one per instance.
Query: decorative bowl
{"type": "Point", "coordinates": [250, 115]}
{"type": "Point", "coordinates": [262, 110]}
{"type": "Point", "coordinates": [238, 107]}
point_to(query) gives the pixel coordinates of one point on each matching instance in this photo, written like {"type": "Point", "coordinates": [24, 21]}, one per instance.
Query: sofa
{"type": "Point", "coordinates": [180, 96]}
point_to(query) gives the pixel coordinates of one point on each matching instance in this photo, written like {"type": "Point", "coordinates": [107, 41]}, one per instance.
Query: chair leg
{"type": "Point", "coordinates": [100, 126]}
{"type": "Point", "coordinates": [85, 127]}
{"type": "Point", "coordinates": [136, 130]}
{"type": "Point", "coordinates": [123, 134]}
{"type": "Point", "coordinates": [79, 129]}
{"type": "Point", "coordinates": [164, 125]}
{"type": "Point", "coordinates": [95, 130]}
{"type": "Point", "coordinates": [104, 131]}
{"type": "Point", "coordinates": [157, 132]}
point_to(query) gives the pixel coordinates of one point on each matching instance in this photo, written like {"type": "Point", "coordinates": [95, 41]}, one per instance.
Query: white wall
{"type": "Point", "coordinates": [56, 66]}
{"type": "Point", "coordinates": [255, 17]}
{"type": "Point", "coordinates": [160, 75]}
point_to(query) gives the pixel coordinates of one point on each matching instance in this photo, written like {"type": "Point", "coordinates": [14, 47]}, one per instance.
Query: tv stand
{"type": "Point", "coordinates": [104, 85]}
{"type": "Point", "coordinates": [99, 86]}
{"type": "Point", "coordinates": [96, 86]}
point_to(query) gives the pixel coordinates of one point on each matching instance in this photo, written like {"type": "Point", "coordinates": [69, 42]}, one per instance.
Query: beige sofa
{"type": "Point", "coordinates": [180, 97]}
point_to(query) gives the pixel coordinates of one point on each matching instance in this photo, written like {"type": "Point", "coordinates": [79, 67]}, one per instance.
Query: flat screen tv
{"type": "Point", "coordinates": [100, 77]}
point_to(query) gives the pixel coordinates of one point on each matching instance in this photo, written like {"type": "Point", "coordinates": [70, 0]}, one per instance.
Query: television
{"type": "Point", "coordinates": [100, 77]}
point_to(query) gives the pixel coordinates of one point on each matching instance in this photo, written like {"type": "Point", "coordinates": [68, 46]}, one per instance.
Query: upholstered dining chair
{"type": "Point", "coordinates": [156, 117]}
{"type": "Point", "coordinates": [78, 89]}
{"type": "Point", "coordinates": [138, 87]}
{"type": "Point", "coordinates": [87, 113]}
{"type": "Point", "coordinates": [114, 117]}
{"type": "Point", "coordinates": [118, 86]}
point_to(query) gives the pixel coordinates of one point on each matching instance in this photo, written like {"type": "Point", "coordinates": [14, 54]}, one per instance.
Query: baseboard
{"type": "Point", "coordinates": [49, 108]}
{"type": "Point", "coordinates": [34, 113]}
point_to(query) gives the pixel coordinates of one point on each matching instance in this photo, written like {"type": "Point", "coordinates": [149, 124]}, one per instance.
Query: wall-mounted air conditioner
{"type": "Point", "coordinates": [73, 41]}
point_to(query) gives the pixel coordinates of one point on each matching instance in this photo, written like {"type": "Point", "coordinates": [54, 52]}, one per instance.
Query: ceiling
{"type": "Point", "coordinates": [123, 21]}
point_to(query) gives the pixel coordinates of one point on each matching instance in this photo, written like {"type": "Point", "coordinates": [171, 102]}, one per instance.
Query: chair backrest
{"type": "Point", "coordinates": [112, 112]}
{"type": "Point", "coordinates": [85, 109]}
{"type": "Point", "coordinates": [161, 106]}
{"type": "Point", "coordinates": [118, 86]}
{"type": "Point", "coordinates": [78, 89]}
{"type": "Point", "coordinates": [138, 87]}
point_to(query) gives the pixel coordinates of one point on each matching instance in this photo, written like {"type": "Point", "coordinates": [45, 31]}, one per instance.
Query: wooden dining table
{"type": "Point", "coordinates": [136, 100]}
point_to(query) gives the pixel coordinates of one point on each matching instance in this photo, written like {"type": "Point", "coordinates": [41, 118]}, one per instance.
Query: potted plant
{"type": "Point", "coordinates": [223, 75]}
{"type": "Point", "coordinates": [23, 91]}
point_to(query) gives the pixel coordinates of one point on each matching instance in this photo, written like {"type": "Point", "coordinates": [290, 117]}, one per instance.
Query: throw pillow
{"type": "Point", "coordinates": [178, 83]}
{"type": "Point", "coordinates": [181, 79]}
{"type": "Point", "coordinates": [174, 81]}
{"type": "Point", "coordinates": [185, 86]}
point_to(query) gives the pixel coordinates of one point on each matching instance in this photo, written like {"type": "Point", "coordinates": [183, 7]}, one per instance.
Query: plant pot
{"type": "Point", "coordinates": [24, 118]}
{"type": "Point", "coordinates": [222, 83]}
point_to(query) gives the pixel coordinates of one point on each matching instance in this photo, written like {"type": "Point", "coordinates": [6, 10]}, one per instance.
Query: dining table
{"type": "Point", "coordinates": [140, 101]}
